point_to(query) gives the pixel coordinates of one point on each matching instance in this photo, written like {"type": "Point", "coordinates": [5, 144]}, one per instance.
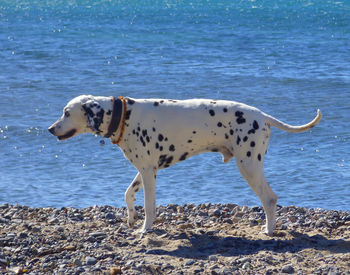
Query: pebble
{"type": "Point", "coordinates": [287, 269]}
{"type": "Point", "coordinates": [97, 240]}
{"type": "Point", "coordinates": [90, 260]}
{"type": "Point", "coordinates": [190, 262]}
{"type": "Point", "coordinates": [110, 216]}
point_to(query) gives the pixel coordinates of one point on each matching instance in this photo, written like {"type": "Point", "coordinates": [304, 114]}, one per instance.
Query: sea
{"type": "Point", "coordinates": [287, 58]}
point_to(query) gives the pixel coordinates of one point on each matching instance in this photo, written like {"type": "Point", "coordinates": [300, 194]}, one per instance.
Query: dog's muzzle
{"type": "Point", "coordinates": [52, 130]}
{"type": "Point", "coordinates": [62, 137]}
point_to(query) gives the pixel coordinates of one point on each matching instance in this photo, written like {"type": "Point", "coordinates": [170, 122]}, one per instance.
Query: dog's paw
{"type": "Point", "coordinates": [132, 217]}
{"type": "Point", "coordinates": [266, 231]}
{"type": "Point", "coordinates": [131, 223]}
{"type": "Point", "coordinates": [142, 233]}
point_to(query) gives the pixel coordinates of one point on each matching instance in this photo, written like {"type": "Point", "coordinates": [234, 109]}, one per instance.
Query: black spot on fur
{"type": "Point", "coordinates": [160, 137]}
{"type": "Point", "coordinates": [165, 160]}
{"type": "Point", "coordinates": [215, 150]}
{"type": "Point", "coordinates": [238, 140]}
{"type": "Point", "coordinates": [245, 139]}
{"type": "Point", "coordinates": [154, 129]}
{"type": "Point", "coordinates": [252, 144]}
{"type": "Point", "coordinates": [189, 141]}
{"type": "Point", "coordinates": [169, 159]}
{"type": "Point", "coordinates": [136, 183]}
{"type": "Point", "coordinates": [239, 114]}
{"type": "Point", "coordinates": [127, 114]}
{"type": "Point", "coordinates": [226, 136]}
{"type": "Point", "coordinates": [255, 125]}
{"type": "Point", "coordinates": [183, 157]}
{"type": "Point", "coordinates": [211, 112]}
{"type": "Point", "coordinates": [97, 119]}
{"type": "Point", "coordinates": [259, 157]}
{"type": "Point", "coordinates": [109, 112]}
{"type": "Point", "coordinates": [130, 101]}
{"type": "Point", "coordinates": [88, 111]}
{"type": "Point", "coordinates": [219, 124]}
{"type": "Point", "coordinates": [249, 154]}
{"type": "Point", "coordinates": [148, 139]}
{"type": "Point", "coordinates": [225, 110]}
{"type": "Point", "coordinates": [194, 132]}
{"type": "Point", "coordinates": [172, 148]}
{"type": "Point", "coordinates": [251, 131]}
{"type": "Point", "coordinates": [161, 148]}
{"type": "Point", "coordinates": [143, 142]}
{"type": "Point", "coordinates": [156, 103]}
{"type": "Point", "coordinates": [144, 133]}
{"type": "Point", "coordinates": [231, 132]}
{"type": "Point", "coordinates": [240, 119]}
{"type": "Point", "coordinates": [157, 145]}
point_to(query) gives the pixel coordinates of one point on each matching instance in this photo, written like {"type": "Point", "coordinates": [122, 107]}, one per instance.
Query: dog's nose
{"type": "Point", "coordinates": [52, 130]}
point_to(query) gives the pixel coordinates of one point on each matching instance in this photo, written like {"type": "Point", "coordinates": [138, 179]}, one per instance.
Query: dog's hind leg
{"type": "Point", "coordinates": [129, 196]}
{"type": "Point", "coordinates": [254, 174]}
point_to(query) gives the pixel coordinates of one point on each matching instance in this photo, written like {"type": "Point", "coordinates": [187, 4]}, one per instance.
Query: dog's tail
{"type": "Point", "coordinates": [294, 129]}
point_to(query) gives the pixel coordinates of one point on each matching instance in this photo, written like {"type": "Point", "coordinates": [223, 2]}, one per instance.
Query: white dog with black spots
{"type": "Point", "coordinates": [157, 133]}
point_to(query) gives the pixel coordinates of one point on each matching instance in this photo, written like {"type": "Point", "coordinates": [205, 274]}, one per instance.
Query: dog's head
{"type": "Point", "coordinates": [83, 114]}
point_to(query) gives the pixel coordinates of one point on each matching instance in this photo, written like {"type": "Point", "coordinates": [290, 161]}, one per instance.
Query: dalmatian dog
{"type": "Point", "coordinates": [157, 133]}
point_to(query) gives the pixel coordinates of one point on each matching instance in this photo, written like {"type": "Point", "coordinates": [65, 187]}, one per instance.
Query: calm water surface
{"type": "Point", "coordinates": [286, 58]}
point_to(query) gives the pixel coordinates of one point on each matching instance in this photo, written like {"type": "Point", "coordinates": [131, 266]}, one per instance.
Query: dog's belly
{"type": "Point", "coordinates": [165, 134]}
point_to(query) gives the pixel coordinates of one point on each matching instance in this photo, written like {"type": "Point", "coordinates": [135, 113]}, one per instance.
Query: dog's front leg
{"type": "Point", "coordinates": [133, 188]}
{"type": "Point", "coordinates": [149, 187]}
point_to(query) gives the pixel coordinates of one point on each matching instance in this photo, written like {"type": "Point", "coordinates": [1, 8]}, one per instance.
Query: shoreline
{"type": "Point", "coordinates": [185, 239]}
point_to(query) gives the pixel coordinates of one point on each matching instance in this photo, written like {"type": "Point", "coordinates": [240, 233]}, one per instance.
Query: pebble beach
{"type": "Point", "coordinates": [185, 239]}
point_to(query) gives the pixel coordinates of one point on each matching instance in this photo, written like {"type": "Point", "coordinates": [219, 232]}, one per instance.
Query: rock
{"type": "Point", "coordinates": [226, 271]}
{"type": "Point", "coordinates": [244, 260]}
{"type": "Point", "coordinates": [53, 220]}
{"type": "Point", "coordinates": [190, 262]}
{"type": "Point", "coordinates": [115, 271]}
{"type": "Point", "coordinates": [214, 213]}
{"type": "Point", "coordinates": [90, 260]}
{"type": "Point", "coordinates": [110, 216]}
{"type": "Point", "coordinates": [23, 235]}
{"type": "Point", "coordinates": [11, 235]}
{"type": "Point", "coordinates": [213, 258]}
{"type": "Point", "coordinates": [287, 269]}
{"type": "Point", "coordinates": [99, 235]}
{"type": "Point", "coordinates": [36, 229]}
{"type": "Point", "coordinates": [3, 261]}
{"type": "Point", "coordinates": [246, 266]}
{"type": "Point", "coordinates": [79, 270]}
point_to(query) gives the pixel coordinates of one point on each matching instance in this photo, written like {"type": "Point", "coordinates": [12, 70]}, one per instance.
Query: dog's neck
{"type": "Point", "coordinates": [116, 121]}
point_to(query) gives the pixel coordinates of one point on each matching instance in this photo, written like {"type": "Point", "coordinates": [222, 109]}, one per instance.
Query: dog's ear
{"type": "Point", "coordinates": [94, 114]}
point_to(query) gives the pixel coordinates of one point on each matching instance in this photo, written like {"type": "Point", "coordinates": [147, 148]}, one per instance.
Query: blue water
{"type": "Point", "coordinates": [287, 58]}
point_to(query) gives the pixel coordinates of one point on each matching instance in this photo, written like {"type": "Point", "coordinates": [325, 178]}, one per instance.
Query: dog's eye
{"type": "Point", "coordinates": [66, 114]}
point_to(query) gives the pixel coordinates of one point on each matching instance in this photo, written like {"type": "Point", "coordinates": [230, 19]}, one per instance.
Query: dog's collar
{"type": "Point", "coordinates": [118, 118]}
